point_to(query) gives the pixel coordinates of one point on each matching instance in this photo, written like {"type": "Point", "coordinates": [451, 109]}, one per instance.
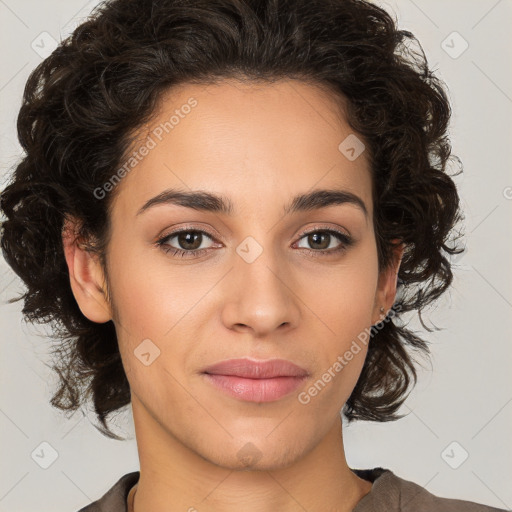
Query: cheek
{"type": "Point", "coordinates": [343, 304]}
{"type": "Point", "coordinates": [151, 296]}
{"type": "Point", "coordinates": [343, 296]}
{"type": "Point", "coordinates": [342, 347]}
{"type": "Point", "coordinates": [158, 308]}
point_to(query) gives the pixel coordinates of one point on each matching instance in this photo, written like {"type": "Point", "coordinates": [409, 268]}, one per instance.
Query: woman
{"type": "Point", "coordinates": [218, 202]}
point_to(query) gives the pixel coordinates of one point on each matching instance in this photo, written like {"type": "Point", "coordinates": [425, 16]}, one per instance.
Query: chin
{"type": "Point", "coordinates": [255, 456]}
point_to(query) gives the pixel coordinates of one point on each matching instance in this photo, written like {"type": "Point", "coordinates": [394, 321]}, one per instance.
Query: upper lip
{"type": "Point", "coordinates": [256, 369]}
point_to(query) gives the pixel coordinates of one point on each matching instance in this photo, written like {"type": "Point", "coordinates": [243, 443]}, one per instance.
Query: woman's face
{"type": "Point", "coordinates": [256, 282]}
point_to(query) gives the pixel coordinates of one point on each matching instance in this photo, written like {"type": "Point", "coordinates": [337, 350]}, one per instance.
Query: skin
{"type": "Point", "coordinates": [259, 145]}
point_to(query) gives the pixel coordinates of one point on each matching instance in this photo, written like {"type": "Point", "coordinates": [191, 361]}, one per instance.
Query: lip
{"type": "Point", "coordinates": [255, 380]}
{"type": "Point", "coordinates": [256, 369]}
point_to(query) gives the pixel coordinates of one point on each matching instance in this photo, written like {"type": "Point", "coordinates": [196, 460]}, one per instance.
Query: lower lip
{"type": "Point", "coordinates": [255, 390]}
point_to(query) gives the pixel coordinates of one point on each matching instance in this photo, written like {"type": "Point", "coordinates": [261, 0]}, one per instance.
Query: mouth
{"type": "Point", "coordinates": [256, 381]}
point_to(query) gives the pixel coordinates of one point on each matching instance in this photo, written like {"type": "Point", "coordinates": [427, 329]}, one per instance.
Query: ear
{"type": "Point", "coordinates": [86, 276]}
{"type": "Point", "coordinates": [386, 288]}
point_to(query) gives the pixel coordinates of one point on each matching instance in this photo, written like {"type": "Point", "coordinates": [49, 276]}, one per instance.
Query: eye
{"type": "Point", "coordinates": [321, 239]}
{"type": "Point", "coordinates": [190, 242]}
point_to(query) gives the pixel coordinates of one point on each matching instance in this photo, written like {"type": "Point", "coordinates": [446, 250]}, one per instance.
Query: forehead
{"type": "Point", "coordinates": [248, 141]}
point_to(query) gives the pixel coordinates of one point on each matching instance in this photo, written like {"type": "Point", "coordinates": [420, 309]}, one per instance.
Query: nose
{"type": "Point", "coordinates": [259, 296]}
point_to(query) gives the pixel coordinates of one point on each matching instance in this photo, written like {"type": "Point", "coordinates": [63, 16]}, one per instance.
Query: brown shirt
{"type": "Point", "coordinates": [389, 493]}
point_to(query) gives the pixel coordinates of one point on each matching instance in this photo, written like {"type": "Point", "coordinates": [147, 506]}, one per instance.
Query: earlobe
{"type": "Point", "coordinates": [86, 276]}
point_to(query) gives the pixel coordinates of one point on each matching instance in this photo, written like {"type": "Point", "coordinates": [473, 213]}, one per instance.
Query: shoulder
{"type": "Point", "coordinates": [114, 500]}
{"type": "Point", "coordinates": [392, 493]}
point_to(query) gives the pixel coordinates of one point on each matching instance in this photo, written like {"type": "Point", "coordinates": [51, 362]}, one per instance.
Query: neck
{"type": "Point", "coordinates": [175, 478]}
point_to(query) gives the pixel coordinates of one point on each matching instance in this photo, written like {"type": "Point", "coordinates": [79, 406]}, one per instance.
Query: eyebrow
{"type": "Point", "coordinates": [208, 202]}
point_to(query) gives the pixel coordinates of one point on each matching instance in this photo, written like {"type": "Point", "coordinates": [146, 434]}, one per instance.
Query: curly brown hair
{"type": "Point", "coordinates": [82, 105]}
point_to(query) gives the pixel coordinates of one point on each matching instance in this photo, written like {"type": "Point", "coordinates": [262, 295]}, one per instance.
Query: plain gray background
{"type": "Point", "coordinates": [460, 409]}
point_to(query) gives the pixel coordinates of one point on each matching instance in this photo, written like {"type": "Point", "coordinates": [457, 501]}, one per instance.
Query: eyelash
{"type": "Point", "coordinates": [346, 242]}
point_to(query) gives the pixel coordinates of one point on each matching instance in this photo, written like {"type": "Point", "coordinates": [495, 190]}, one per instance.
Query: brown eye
{"type": "Point", "coordinates": [188, 242]}
{"type": "Point", "coordinates": [319, 241]}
